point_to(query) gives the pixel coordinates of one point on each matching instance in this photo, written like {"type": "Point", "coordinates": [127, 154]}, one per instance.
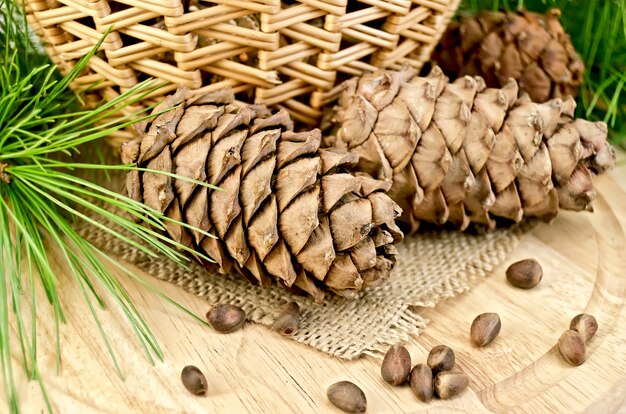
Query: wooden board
{"type": "Point", "coordinates": [255, 370]}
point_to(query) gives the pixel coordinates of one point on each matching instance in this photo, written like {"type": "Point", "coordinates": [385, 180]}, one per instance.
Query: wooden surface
{"type": "Point", "coordinates": [255, 370]}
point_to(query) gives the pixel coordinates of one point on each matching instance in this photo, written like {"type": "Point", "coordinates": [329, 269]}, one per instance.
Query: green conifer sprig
{"type": "Point", "coordinates": [42, 128]}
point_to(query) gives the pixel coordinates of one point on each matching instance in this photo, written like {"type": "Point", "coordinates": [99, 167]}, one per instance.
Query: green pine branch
{"type": "Point", "coordinates": [598, 32]}
{"type": "Point", "coordinates": [42, 127]}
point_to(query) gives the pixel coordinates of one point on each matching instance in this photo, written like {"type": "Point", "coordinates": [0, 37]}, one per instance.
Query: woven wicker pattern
{"type": "Point", "coordinates": [291, 53]}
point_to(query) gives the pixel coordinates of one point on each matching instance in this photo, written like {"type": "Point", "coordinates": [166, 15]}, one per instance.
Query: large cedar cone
{"type": "Point", "coordinates": [288, 212]}
{"type": "Point", "coordinates": [460, 152]}
{"type": "Point", "coordinates": [531, 48]}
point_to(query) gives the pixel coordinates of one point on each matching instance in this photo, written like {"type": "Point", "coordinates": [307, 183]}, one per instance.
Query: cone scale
{"type": "Point", "coordinates": [459, 152]}
{"type": "Point", "coordinates": [531, 48]}
{"type": "Point", "coordinates": [287, 211]}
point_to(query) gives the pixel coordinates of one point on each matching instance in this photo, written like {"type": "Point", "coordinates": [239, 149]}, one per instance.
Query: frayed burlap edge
{"type": "Point", "coordinates": [431, 267]}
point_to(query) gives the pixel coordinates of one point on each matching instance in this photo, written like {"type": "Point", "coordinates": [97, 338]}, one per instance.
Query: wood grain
{"type": "Point", "coordinates": [255, 370]}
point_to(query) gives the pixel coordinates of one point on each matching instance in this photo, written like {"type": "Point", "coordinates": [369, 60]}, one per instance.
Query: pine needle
{"type": "Point", "coordinates": [41, 125]}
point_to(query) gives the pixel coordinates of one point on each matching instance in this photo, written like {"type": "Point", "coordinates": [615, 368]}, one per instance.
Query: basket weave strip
{"type": "Point", "coordinates": [291, 53]}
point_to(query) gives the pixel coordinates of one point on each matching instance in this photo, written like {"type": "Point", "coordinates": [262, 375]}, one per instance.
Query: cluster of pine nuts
{"type": "Point", "coordinates": [438, 377]}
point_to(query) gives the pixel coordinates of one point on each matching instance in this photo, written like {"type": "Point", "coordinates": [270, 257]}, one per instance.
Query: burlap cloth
{"type": "Point", "coordinates": [431, 267]}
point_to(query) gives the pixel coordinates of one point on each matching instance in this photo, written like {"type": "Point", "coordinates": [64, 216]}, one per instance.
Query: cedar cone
{"type": "Point", "coordinates": [460, 152]}
{"type": "Point", "coordinates": [288, 211]}
{"type": "Point", "coordinates": [531, 48]}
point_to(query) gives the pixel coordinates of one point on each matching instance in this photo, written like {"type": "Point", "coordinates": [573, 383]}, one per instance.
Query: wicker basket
{"type": "Point", "coordinates": [290, 53]}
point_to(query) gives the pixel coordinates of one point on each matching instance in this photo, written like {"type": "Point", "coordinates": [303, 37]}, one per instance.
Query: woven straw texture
{"type": "Point", "coordinates": [431, 267]}
{"type": "Point", "coordinates": [291, 53]}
